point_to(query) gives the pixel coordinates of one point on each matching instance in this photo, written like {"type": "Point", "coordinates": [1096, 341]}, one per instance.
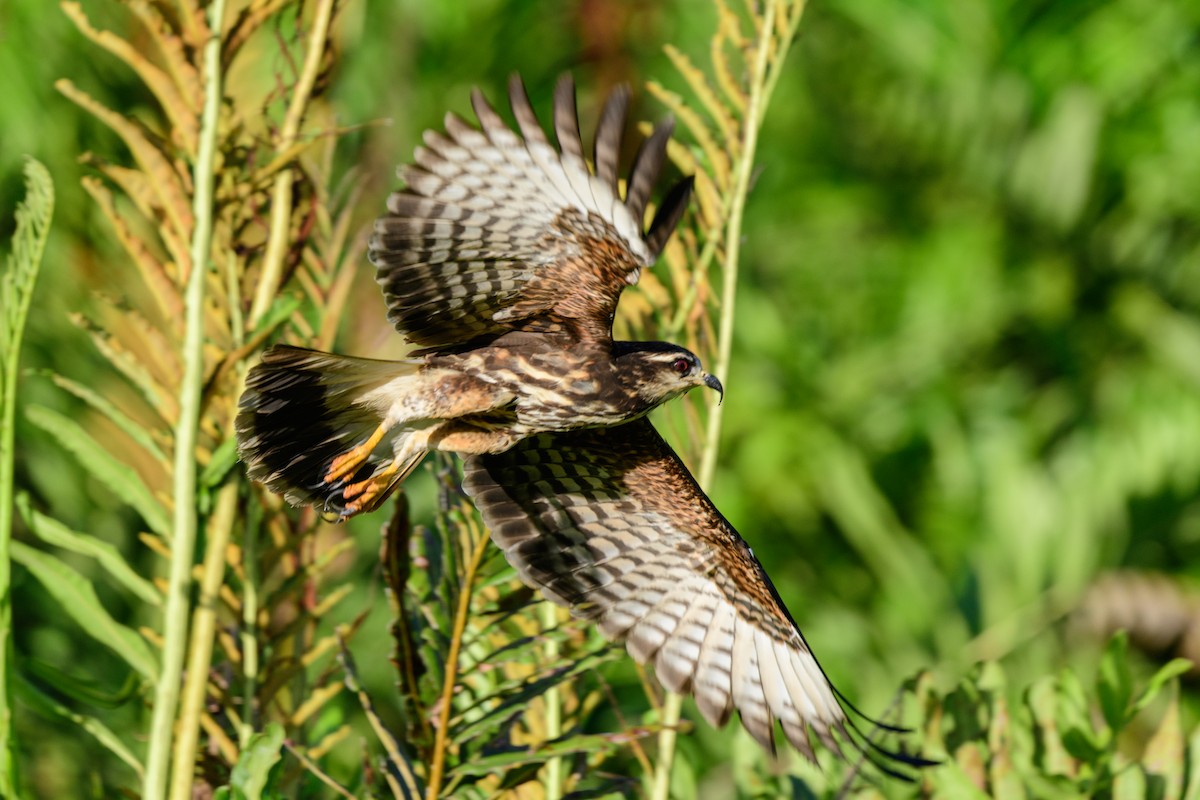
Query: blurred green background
{"type": "Point", "coordinates": [966, 378]}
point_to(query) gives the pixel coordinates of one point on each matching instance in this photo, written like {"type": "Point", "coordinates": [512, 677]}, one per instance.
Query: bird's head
{"type": "Point", "coordinates": [659, 371]}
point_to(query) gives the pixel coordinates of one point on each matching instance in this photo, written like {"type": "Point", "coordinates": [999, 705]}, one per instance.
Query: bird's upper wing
{"type": "Point", "coordinates": [609, 522]}
{"type": "Point", "coordinates": [498, 231]}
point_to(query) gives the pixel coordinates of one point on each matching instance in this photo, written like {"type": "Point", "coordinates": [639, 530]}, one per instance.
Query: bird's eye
{"type": "Point", "coordinates": [682, 366]}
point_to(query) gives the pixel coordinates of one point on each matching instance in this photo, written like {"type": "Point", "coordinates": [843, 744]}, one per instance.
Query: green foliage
{"type": "Point", "coordinates": [1058, 740]}
{"type": "Point", "coordinates": [254, 773]}
{"type": "Point", "coordinates": [464, 629]}
{"type": "Point", "coordinates": [77, 600]}
{"type": "Point", "coordinates": [17, 282]}
{"type": "Point", "coordinates": [25, 261]}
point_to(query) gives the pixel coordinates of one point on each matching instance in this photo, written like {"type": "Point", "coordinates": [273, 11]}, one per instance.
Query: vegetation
{"type": "Point", "coordinates": [944, 257]}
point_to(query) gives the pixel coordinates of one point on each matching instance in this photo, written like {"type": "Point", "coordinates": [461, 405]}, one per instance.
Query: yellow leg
{"type": "Point", "coordinates": [364, 492]}
{"type": "Point", "coordinates": [347, 463]}
{"type": "Point", "coordinates": [368, 493]}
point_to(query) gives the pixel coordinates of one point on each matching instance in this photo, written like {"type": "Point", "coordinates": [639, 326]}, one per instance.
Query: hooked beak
{"type": "Point", "coordinates": [711, 382]}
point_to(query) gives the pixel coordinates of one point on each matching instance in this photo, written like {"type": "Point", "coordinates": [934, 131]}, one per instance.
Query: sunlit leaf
{"type": "Point", "coordinates": [254, 773]}
{"type": "Point", "coordinates": [1115, 682]}
{"type": "Point", "coordinates": [1167, 673]}
{"type": "Point", "coordinates": [53, 532]}
{"type": "Point", "coordinates": [104, 467]}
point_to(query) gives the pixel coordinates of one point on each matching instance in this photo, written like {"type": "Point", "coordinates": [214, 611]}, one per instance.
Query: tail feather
{"type": "Point", "coordinates": [302, 409]}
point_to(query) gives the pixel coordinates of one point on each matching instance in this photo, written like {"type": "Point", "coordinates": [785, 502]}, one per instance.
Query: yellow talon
{"type": "Point", "coordinates": [364, 492]}
{"type": "Point", "coordinates": [348, 463]}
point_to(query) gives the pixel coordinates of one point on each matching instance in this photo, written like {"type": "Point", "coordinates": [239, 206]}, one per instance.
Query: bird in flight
{"type": "Point", "coordinates": [502, 261]}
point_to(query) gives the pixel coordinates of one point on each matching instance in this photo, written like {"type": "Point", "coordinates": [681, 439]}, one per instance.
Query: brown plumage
{"type": "Point", "coordinates": [609, 523]}
{"type": "Point", "coordinates": [502, 260]}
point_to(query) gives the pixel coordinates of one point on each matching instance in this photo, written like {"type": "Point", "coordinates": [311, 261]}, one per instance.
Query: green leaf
{"type": "Point", "coordinates": [1130, 784]}
{"type": "Point", "coordinates": [135, 431]}
{"type": "Point", "coordinates": [281, 311]}
{"type": "Point", "coordinates": [1081, 745]}
{"type": "Point", "coordinates": [591, 743]}
{"type": "Point", "coordinates": [33, 697]}
{"type": "Point", "coordinates": [122, 479]}
{"type": "Point", "coordinates": [77, 597]}
{"type": "Point", "coordinates": [1166, 751]}
{"type": "Point", "coordinates": [24, 262]}
{"type": "Point", "coordinates": [1115, 683]}
{"type": "Point", "coordinates": [399, 765]}
{"type": "Point", "coordinates": [1168, 672]}
{"type": "Point", "coordinates": [952, 781]}
{"type": "Point", "coordinates": [1192, 789]}
{"type": "Point", "coordinates": [252, 775]}
{"type": "Point", "coordinates": [224, 458]}
{"type": "Point", "coordinates": [511, 700]}
{"type": "Point", "coordinates": [84, 690]}
{"type": "Point", "coordinates": [53, 532]}
{"type": "Point", "coordinates": [1042, 701]}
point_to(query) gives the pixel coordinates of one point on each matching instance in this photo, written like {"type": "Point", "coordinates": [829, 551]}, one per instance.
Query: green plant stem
{"type": "Point", "coordinates": [759, 97]}
{"type": "Point", "coordinates": [249, 634]}
{"type": "Point", "coordinates": [281, 193]}
{"type": "Point", "coordinates": [553, 701]}
{"type": "Point", "coordinates": [19, 283]}
{"type": "Point", "coordinates": [441, 742]}
{"type": "Point", "coordinates": [762, 83]}
{"type": "Point", "coordinates": [204, 622]}
{"type": "Point", "coordinates": [183, 537]}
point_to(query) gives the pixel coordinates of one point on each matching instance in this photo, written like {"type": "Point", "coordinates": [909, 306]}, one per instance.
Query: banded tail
{"type": "Point", "coordinates": [314, 427]}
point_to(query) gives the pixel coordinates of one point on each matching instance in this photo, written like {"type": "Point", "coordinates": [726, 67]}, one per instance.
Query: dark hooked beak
{"type": "Point", "coordinates": [711, 382]}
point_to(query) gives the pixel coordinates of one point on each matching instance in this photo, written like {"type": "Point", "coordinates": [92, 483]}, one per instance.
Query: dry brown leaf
{"type": "Point", "coordinates": [172, 189]}
{"type": "Point", "coordinates": [183, 116]}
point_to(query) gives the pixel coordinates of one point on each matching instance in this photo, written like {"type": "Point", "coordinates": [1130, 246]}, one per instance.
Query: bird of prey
{"type": "Point", "coordinates": [502, 260]}
{"type": "Point", "coordinates": [609, 523]}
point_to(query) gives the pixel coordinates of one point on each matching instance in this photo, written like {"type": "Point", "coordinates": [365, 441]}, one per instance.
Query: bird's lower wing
{"type": "Point", "coordinates": [609, 523]}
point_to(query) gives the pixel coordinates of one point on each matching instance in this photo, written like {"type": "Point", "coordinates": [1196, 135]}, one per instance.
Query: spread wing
{"type": "Point", "coordinates": [499, 231]}
{"type": "Point", "coordinates": [609, 522]}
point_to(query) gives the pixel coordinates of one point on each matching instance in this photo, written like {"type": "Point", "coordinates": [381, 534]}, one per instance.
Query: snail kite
{"type": "Point", "coordinates": [501, 261]}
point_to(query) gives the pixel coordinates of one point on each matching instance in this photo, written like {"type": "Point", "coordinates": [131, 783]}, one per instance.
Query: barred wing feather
{"type": "Point", "coordinates": [498, 230]}
{"type": "Point", "coordinates": [609, 523]}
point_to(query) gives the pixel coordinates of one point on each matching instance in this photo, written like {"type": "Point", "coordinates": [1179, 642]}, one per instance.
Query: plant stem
{"type": "Point", "coordinates": [249, 634]}
{"type": "Point", "coordinates": [437, 769]}
{"type": "Point", "coordinates": [183, 537]}
{"type": "Point", "coordinates": [553, 700]}
{"type": "Point", "coordinates": [763, 78]}
{"type": "Point", "coordinates": [204, 621]}
{"type": "Point", "coordinates": [281, 194]}
{"type": "Point", "coordinates": [733, 238]}
{"type": "Point", "coordinates": [18, 285]}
